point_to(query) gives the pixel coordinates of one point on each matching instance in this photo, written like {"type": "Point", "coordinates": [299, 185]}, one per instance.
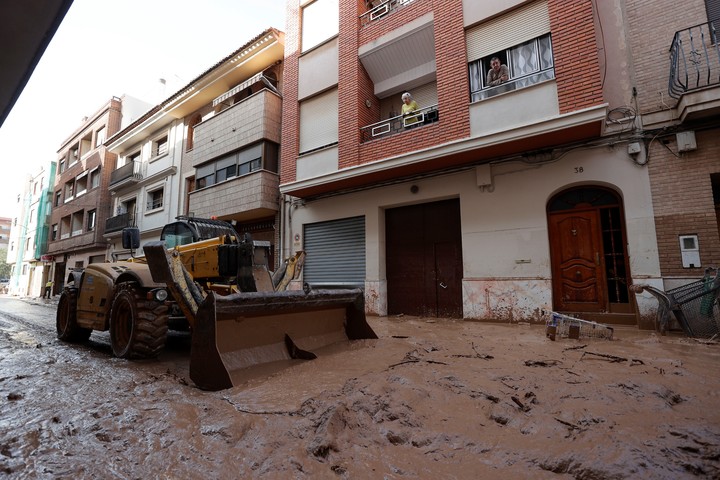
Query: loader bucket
{"type": "Point", "coordinates": [241, 336]}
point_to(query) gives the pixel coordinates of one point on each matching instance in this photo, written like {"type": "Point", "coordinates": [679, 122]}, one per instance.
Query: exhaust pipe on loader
{"type": "Point", "coordinates": [243, 335]}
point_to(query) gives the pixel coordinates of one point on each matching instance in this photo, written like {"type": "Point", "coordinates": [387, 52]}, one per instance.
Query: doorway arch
{"type": "Point", "coordinates": [588, 255]}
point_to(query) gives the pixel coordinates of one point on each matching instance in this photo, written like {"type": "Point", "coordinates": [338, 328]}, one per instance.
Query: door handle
{"type": "Point", "coordinates": [442, 285]}
{"type": "Point", "coordinates": [597, 258]}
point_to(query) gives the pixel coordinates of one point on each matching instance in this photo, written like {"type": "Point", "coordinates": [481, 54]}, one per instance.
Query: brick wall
{"type": "Point", "coordinates": [683, 200]}
{"type": "Point", "coordinates": [577, 69]}
{"type": "Point", "coordinates": [652, 26]}
{"type": "Point", "coordinates": [291, 109]}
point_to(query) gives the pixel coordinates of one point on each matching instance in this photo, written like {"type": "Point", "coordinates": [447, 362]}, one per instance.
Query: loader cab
{"type": "Point", "coordinates": [178, 233]}
{"type": "Point", "coordinates": [187, 230]}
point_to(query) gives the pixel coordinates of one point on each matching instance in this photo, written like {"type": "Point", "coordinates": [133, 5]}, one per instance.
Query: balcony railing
{"type": "Point", "coordinates": [380, 8]}
{"type": "Point", "coordinates": [128, 171]}
{"type": "Point", "coordinates": [400, 123]}
{"type": "Point", "coordinates": [694, 59]}
{"type": "Point", "coordinates": [118, 222]}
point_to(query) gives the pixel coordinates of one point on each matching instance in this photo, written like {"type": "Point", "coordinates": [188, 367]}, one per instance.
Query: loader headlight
{"type": "Point", "coordinates": [161, 295]}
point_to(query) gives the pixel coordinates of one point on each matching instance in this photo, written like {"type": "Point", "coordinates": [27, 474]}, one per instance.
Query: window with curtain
{"type": "Point", "coordinates": [528, 63]}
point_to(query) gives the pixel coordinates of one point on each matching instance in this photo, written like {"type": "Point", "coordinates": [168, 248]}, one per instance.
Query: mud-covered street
{"type": "Point", "coordinates": [429, 399]}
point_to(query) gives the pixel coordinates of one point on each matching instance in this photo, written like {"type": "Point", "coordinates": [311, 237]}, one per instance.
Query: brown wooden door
{"type": "Point", "coordinates": [577, 255]}
{"type": "Point", "coordinates": [424, 259]}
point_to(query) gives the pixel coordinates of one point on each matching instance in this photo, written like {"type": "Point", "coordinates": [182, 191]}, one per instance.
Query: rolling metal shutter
{"type": "Point", "coordinates": [513, 28]}
{"type": "Point", "coordinates": [319, 121]}
{"type": "Point", "coordinates": [335, 253]}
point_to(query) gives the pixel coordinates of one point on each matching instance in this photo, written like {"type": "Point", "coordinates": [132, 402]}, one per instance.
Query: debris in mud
{"type": "Point", "coordinates": [614, 358]}
{"type": "Point", "coordinates": [482, 356]}
{"type": "Point", "coordinates": [14, 396]}
{"type": "Point", "coordinates": [541, 363]}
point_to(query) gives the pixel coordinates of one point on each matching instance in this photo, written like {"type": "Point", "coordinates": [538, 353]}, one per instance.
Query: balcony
{"type": "Point", "coordinates": [694, 60]}
{"type": "Point", "coordinates": [245, 198]}
{"type": "Point", "coordinates": [253, 119]}
{"type": "Point", "coordinates": [130, 172]}
{"type": "Point", "coordinates": [399, 124]}
{"type": "Point", "coordinates": [378, 9]}
{"type": "Point", "coordinates": [118, 222]}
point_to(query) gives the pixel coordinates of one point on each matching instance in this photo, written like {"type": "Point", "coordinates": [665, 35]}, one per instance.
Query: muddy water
{"type": "Point", "coordinates": [429, 399]}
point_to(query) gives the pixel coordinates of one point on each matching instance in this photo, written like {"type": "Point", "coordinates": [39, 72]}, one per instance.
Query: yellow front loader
{"type": "Point", "coordinates": [242, 320]}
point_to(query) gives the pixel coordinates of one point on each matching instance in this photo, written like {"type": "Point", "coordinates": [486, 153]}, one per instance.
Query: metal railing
{"type": "Point", "coordinates": [118, 222]}
{"type": "Point", "coordinates": [399, 123]}
{"type": "Point", "coordinates": [694, 59]}
{"type": "Point", "coordinates": [129, 170]}
{"type": "Point", "coordinates": [379, 9]}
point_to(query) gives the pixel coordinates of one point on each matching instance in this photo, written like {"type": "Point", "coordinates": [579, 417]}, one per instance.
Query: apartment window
{"type": "Point", "coordinates": [91, 217]}
{"type": "Point", "coordinates": [62, 166]}
{"type": "Point", "coordinates": [86, 144]}
{"type": "Point", "coordinates": [520, 40]}
{"type": "Point", "coordinates": [160, 146]}
{"type": "Point", "coordinates": [133, 157]}
{"type": "Point", "coordinates": [74, 155]}
{"type": "Point", "coordinates": [191, 131]}
{"type": "Point", "coordinates": [320, 21]}
{"type": "Point", "coordinates": [154, 200]}
{"type": "Point", "coordinates": [100, 136]}
{"type": "Point", "coordinates": [76, 226]}
{"type": "Point", "coordinates": [69, 190]}
{"type": "Point", "coordinates": [58, 197]}
{"type": "Point", "coordinates": [95, 178]}
{"type": "Point", "coordinates": [81, 184]}
{"type": "Point", "coordinates": [259, 156]}
{"type": "Point", "coordinates": [319, 121]}
{"type": "Point", "coordinates": [54, 234]}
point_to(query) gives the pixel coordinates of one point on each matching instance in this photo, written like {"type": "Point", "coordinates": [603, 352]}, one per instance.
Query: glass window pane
{"type": "Point", "coordinates": [524, 59]}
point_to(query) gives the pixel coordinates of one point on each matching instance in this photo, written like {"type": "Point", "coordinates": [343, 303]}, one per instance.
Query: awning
{"type": "Point", "coordinates": [255, 78]}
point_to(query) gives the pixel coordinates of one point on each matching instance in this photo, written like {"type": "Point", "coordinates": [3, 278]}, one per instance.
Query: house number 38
{"type": "Point", "coordinates": [579, 169]}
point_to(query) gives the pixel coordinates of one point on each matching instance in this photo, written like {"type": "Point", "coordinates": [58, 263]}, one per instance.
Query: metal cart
{"type": "Point", "coordinates": [694, 305]}
{"type": "Point", "coordinates": [564, 326]}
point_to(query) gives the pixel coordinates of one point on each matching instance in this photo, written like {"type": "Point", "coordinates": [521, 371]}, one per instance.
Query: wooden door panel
{"type": "Point", "coordinates": [576, 247]}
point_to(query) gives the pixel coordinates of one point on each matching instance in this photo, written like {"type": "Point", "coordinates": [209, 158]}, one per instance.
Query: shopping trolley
{"type": "Point", "coordinates": [559, 325]}
{"type": "Point", "coordinates": [695, 305]}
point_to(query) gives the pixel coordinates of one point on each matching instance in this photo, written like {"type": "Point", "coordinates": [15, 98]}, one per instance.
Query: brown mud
{"type": "Point", "coordinates": [430, 399]}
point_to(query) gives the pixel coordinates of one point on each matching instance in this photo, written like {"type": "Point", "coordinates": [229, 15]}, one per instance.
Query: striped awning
{"type": "Point", "coordinates": [238, 88]}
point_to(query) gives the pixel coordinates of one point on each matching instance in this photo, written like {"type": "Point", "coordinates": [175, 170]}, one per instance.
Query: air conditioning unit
{"type": "Point", "coordinates": [686, 141]}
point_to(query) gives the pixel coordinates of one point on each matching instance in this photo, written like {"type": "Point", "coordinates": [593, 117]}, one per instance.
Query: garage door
{"type": "Point", "coordinates": [335, 253]}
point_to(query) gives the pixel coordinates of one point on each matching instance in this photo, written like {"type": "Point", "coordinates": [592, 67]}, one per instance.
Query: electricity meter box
{"type": "Point", "coordinates": [690, 251]}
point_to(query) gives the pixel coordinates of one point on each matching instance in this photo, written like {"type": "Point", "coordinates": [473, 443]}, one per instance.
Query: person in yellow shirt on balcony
{"type": "Point", "coordinates": [409, 110]}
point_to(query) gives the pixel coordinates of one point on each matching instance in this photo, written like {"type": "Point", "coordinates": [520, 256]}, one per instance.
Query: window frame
{"type": "Point", "coordinates": [151, 202]}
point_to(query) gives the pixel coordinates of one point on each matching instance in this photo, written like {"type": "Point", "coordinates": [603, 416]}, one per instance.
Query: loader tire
{"type": "Point", "coordinates": [138, 326]}
{"type": "Point", "coordinates": [66, 318]}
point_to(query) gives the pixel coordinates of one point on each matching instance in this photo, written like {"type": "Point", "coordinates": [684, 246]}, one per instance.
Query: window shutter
{"type": "Point", "coordinates": [319, 121]}
{"type": "Point", "coordinates": [713, 11]}
{"type": "Point", "coordinates": [320, 21]}
{"type": "Point", "coordinates": [513, 28]}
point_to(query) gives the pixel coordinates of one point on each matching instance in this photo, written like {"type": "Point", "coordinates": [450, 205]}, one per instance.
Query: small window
{"type": "Point", "coordinates": [205, 175]}
{"type": "Point", "coordinates": [91, 217]}
{"type": "Point", "coordinates": [54, 232]}
{"type": "Point", "coordinates": [58, 198]}
{"type": "Point", "coordinates": [86, 144]}
{"type": "Point", "coordinates": [81, 184]}
{"type": "Point", "coordinates": [62, 166]}
{"type": "Point", "coordinates": [100, 137]}
{"type": "Point", "coordinates": [69, 190]}
{"type": "Point", "coordinates": [154, 200]}
{"type": "Point", "coordinates": [160, 146]}
{"type": "Point", "coordinates": [95, 178]}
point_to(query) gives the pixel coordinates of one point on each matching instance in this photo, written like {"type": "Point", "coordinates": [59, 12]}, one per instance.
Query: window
{"type": "Point", "coordinates": [53, 235]}
{"type": "Point", "coordinates": [319, 121]}
{"type": "Point", "coordinates": [520, 39]}
{"type": "Point", "coordinates": [100, 136]}
{"type": "Point", "coordinates": [81, 184]}
{"type": "Point", "coordinates": [62, 166]}
{"type": "Point", "coordinates": [191, 131]}
{"type": "Point", "coordinates": [58, 196]}
{"type": "Point", "coordinates": [74, 155]}
{"type": "Point", "coordinates": [133, 157]}
{"type": "Point", "coordinates": [77, 223]}
{"type": "Point", "coordinates": [91, 217]}
{"type": "Point", "coordinates": [86, 144]}
{"type": "Point", "coordinates": [69, 189]}
{"type": "Point", "coordinates": [95, 178]}
{"type": "Point", "coordinates": [160, 146]}
{"type": "Point", "coordinates": [154, 199]}
{"type": "Point", "coordinates": [259, 156]}
{"type": "Point", "coordinates": [320, 21]}
{"type": "Point", "coordinates": [528, 63]}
